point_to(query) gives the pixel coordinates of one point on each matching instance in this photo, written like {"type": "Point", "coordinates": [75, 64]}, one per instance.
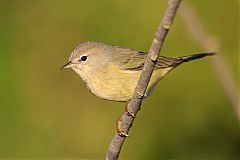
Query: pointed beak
{"type": "Point", "coordinates": [66, 65]}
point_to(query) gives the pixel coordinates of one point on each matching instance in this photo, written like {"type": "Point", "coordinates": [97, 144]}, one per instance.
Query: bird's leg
{"type": "Point", "coordinates": [121, 131]}
{"type": "Point", "coordinates": [129, 111]}
{"type": "Point", "coordinates": [119, 123]}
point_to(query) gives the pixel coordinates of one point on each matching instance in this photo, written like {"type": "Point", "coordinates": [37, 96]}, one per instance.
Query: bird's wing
{"type": "Point", "coordinates": [134, 61]}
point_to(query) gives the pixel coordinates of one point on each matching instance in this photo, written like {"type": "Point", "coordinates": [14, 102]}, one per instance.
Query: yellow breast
{"type": "Point", "coordinates": [115, 84]}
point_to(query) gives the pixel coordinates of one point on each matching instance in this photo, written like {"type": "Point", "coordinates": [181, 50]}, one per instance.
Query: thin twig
{"type": "Point", "coordinates": [136, 101]}
{"type": "Point", "coordinates": [207, 42]}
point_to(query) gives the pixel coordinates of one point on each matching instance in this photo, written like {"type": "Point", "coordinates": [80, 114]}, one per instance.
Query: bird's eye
{"type": "Point", "coordinates": [83, 58]}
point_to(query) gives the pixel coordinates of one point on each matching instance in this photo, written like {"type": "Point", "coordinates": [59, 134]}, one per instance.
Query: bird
{"type": "Point", "coordinates": [112, 72]}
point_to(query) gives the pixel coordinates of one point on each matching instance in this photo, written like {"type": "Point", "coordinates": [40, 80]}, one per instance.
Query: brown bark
{"type": "Point", "coordinates": [126, 120]}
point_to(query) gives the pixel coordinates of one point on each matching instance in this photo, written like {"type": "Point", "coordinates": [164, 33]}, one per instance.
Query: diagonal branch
{"type": "Point", "coordinates": [136, 101]}
{"type": "Point", "coordinates": [207, 42]}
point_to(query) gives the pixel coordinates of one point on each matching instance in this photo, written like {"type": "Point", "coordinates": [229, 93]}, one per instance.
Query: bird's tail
{"type": "Point", "coordinates": [196, 56]}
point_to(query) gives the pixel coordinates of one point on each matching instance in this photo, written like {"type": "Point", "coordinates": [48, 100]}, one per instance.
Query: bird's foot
{"type": "Point", "coordinates": [121, 131]}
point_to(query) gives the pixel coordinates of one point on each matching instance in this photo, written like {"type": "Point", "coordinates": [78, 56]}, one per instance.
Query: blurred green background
{"type": "Point", "coordinates": [49, 113]}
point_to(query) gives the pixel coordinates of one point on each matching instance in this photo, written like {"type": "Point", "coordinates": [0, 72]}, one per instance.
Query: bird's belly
{"type": "Point", "coordinates": [115, 87]}
{"type": "Point", "coordinates": [119, 85]}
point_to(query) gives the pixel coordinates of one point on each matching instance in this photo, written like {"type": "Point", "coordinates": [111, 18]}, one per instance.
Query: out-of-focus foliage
{"type": "Point", "coordinates": [49, 113]}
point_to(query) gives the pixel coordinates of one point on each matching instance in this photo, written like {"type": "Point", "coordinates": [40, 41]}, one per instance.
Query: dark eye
{"type": "Point", "coordinates": [84, 58]}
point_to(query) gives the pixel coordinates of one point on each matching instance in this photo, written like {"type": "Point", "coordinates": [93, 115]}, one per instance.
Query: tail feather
{"type": "Point", "coordinates": [166, 62]}
{"type": "Point", "coordinates": [196, 56]}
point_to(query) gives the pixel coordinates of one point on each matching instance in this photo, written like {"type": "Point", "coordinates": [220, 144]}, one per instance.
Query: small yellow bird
{"type": "Point", "coordinates": [112, 72]}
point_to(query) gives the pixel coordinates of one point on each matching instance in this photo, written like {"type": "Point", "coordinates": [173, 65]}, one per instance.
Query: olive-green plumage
{"type": "Point", "coordinates": [112, 72]}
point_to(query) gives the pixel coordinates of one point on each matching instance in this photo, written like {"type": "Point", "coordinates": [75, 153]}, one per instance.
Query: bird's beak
{"type": "Point", "coordinates": [67, 65]}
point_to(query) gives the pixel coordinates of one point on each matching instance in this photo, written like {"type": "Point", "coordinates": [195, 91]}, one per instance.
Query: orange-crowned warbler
{"type": "Point", "coordinates": [112, 72]}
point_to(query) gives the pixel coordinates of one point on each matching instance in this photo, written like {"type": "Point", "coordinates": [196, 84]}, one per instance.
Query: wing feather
{"type": "Point", "coordinates": [134, 61]}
